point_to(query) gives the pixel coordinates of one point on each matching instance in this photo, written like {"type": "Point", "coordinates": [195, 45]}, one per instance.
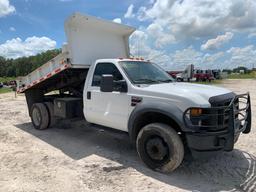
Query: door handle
{"type": "Point", "coordinates": [89, 95]}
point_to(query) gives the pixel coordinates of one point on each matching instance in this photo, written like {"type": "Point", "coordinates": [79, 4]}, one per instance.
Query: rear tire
{"type": "Point", "coordinates": [40, 116]}
{"type": "Point", "coordinates": [160, 147]}
{"type": "Point", "coordinates": [50, 108]}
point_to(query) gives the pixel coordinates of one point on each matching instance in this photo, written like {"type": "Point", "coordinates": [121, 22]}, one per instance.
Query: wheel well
{"type": "Point", "coordinates": [152, 117]}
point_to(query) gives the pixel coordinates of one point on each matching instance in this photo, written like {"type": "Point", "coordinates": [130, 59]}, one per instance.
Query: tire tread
{"type": "Point", "coordinates": [175, 140]}
{"type": "Point", "coordinates": [45, 116]}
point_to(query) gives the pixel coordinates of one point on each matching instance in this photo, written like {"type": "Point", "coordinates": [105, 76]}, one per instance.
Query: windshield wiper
{"type": "Point", "coordinates": [166, 81]}
{"type": "Point", "coordinates": [146, 81]}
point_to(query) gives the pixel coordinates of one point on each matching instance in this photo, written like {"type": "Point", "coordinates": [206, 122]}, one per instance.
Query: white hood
{"type": "Point", "coordinates": [196, 94]}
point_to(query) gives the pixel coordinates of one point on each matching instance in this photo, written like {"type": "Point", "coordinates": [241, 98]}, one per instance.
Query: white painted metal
{"type": "Point", "coordinates": [107, 109]}
{"type": "Point", "coordinates": [90, 38]}
{"type": "Point", "coordinates": [114, 109]}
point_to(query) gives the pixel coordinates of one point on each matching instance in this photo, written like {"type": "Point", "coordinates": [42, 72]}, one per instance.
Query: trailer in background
{"type": "Point", "coordinates": [203, 75]}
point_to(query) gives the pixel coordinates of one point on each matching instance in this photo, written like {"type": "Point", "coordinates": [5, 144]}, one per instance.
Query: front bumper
{"type": "Point", "coordinates": [219, 127]}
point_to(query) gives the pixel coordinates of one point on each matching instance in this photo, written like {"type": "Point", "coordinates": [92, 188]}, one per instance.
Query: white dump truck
{"type": "Point", "coordinates": [94, 78]}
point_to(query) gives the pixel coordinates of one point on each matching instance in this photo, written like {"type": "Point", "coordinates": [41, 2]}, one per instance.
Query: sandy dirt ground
{"type": "Point", "coordinates": [80, 157]}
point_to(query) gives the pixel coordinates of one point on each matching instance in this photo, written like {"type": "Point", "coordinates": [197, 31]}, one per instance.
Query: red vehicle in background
{"type": "Point", "coordinates": [191, 74]}
{"type": "Point", "coordinates": [203, 75]}
{"type": "Point", "coordinates": [174, 73]}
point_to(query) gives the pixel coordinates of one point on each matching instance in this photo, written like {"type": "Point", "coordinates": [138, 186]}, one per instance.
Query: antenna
{"type": "Point", "coordinates": [138, 43]}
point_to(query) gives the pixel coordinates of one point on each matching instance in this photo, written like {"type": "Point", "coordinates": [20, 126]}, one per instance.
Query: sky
{"type": "Point", "coordinates": [173, 33]}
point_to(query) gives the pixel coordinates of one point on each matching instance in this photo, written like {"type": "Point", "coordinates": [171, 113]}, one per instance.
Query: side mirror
{"type": "Point", "coordinates": [106, 83]}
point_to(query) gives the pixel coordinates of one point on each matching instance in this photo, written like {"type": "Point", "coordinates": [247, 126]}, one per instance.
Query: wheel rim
{"type": "Point", "coordinates": [36, 116]}
{"type": "Point", "coordinates": [157, 149]}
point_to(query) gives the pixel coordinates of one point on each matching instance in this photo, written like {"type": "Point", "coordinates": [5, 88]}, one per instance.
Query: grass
{"type": "Point", "coordinates": [214, 82]}
{"type": "Point", "coordinates": [5, 90]}
{"type": "Point", "coordinates": [4, 79]}
{"type": "Point", "coordinates": [251, 75]}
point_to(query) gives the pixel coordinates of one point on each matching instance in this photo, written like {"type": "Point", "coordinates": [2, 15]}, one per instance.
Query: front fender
{"type": "Point", "coordinates": [167, 109]}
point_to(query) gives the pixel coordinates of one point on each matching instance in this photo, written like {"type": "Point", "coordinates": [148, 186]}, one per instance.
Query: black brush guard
{"type": "Point", "coordinates": [219, 127]}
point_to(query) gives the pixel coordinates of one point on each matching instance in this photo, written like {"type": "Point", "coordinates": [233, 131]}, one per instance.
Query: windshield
{"type": "Point", "coordinates": [145, 72]}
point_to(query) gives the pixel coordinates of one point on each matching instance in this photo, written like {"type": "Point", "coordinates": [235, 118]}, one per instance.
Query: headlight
{"type": "Point", "coordinates": [194, 112]}
{"type": "Point", "coordinates": [208, 119]}
{"type": "Point", "coordinates": [195, 116]}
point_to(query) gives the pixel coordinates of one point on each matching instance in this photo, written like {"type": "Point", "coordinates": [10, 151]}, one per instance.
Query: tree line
{"type": "Point", "coordinates": [24, 65]}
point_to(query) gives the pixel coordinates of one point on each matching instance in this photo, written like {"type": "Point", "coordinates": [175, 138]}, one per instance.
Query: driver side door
{"type": "Point", "coordinates": [107, 108]}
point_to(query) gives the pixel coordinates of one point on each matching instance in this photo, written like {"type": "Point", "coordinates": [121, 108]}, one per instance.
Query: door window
{"type": "Point", "coordinates": [105, 69]}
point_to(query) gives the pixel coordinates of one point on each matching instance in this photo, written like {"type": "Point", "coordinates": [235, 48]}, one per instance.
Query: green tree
{"type": "Point", "coordinates": [24, 65]}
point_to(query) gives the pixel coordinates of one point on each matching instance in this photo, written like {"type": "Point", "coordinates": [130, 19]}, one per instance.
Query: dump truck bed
{"type": "Point", "coordinates": [45, 72]}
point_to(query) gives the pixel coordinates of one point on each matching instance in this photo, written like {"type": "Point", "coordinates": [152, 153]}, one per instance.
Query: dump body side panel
{"type": "Point", "coordinates": [44, 72]}
{"type": "Point", "coordinates": [90, 38]}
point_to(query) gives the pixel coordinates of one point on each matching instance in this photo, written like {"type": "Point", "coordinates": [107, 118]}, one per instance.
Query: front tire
{"type": "Point", "coordinates": [160, 147]}
{"type": "Point", "coordinates": [40, 116]}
